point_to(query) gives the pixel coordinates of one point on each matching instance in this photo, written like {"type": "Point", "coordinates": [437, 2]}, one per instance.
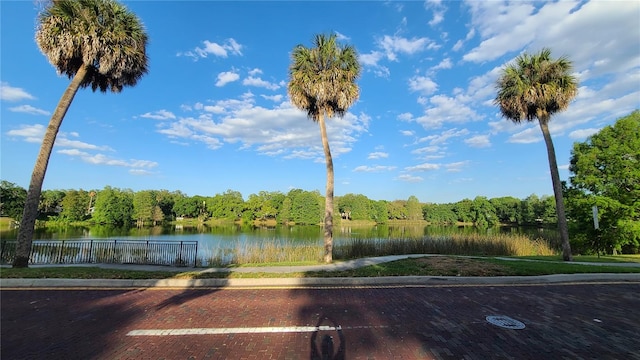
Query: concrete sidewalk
{"type": "Point", "coordinates": [311, 281]}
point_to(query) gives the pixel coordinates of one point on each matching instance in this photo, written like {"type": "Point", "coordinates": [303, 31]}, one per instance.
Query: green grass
{"type": "Point", "coordinates": [407, 267]}
{"type": "Point", "coordinates": [588, 258]}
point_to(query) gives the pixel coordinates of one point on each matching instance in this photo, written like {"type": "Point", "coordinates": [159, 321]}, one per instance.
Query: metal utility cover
{"type": "Point", "coordinates": [505, 322]}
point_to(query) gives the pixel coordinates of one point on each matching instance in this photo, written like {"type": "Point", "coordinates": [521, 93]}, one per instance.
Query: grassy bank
{"type": "Point", "coordinates": [425, 266]}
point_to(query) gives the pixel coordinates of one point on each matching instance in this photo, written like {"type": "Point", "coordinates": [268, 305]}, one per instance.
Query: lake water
{"type": "Point", "coordinates": [229, 235]}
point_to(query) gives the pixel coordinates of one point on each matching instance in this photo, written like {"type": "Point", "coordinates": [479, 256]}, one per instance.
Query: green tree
{"type": "Point", "coordinates": [534, 88]}
{"type": "Point", "coordinates": [144, 204]}
{"type": "Point", "coordinates": [113, 206]}
{"type": "Point", "coordinates": [306, 209]}
{"type": "Point", "coordinates": [97, 43]}
{"type": "Point", "coordinates": [397, 209]}
{"type": "Point", "coordinates": [50, 202]}
{"type": "Point", "coordinates": [414, 209]}
{"type": "Point", "coordinates": [228, 205]}
{"type": "Point", "coordinates": [439, 213]}
{"type": "Point", "coordinates": [354, 207]}
{"type": "Point", "coordinates": [606, 173]}
{"type": "Point", "coordinates": [322, 83]}
{"type": "Point", "coordinates": [506, 209]}
{"type": "Point", "coordinates": [75, 205]}
{"type": "Point", "coordinates": [483, 213]}
{"type": "Point", "coordinates": [12, 198]}
{"type": "Point", "coordinates": [464, 210]}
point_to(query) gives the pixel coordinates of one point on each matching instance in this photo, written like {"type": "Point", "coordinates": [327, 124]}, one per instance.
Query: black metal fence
{"type": "Point", "coordinates": [146, 252]}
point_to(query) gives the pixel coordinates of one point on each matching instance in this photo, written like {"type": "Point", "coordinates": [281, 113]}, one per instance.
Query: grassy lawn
{"type": "Point", "coordinates": [427, 266]}
{"type": "Point", "coordinates": [588, 258]}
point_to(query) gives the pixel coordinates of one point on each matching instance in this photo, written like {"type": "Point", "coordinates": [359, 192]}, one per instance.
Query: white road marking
{"type": "Point", "coordinates": [245, 330]}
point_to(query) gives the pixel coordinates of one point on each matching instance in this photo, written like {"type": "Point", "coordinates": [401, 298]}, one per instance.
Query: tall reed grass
{"type": "Point", "coordinates": [452, 244]}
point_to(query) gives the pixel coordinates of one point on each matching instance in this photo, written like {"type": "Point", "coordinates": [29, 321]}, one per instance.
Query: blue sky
{"type": "Point", "coordinates": [213, 113]}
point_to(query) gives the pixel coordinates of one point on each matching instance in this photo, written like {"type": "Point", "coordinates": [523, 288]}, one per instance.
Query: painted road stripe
{"type": "Point", "coordinates": [246, 330]}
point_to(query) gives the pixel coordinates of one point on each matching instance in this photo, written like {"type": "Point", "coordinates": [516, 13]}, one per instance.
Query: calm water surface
{"type": "Point", "coordinates": [232, 234]}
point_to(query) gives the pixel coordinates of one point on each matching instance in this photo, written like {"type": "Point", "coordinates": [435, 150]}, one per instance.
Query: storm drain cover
{"type": "Point", "coordinates": [505, 322]}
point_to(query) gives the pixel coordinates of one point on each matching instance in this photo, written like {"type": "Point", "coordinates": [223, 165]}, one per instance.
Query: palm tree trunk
{"type": "Point", "coordinates": [563, 228]}
{"type": "Point", "coordinates": [30, 213]}
{"type": "Point", "coordinates": [328, 207]}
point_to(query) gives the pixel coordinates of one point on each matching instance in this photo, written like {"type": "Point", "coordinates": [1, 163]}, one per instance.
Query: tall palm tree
{"type": "Point", "coordinates": [322, 82]}
{"type": "Point", "coordinates": [535, 87]}
{"type": "Point", "coordinates": [97, 43]}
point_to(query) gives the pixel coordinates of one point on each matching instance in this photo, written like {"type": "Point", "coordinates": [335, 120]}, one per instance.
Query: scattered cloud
{"type": "Point", "coordinates": [409, 178]}
{"type": "Point", "coordinates": [478, 141]}
{"type": "Point", "coordinates": [228, 47]}
{"type": "Point", "coordinates": [378, 155]}
{"type": "Point", "coordinates": [438, 11]}
{"type": "Point", "coordinates": [583, 133]}
{"type": "Point", "coordinates": [10, 93]}
{"type": "Point", "coordinates": [423, 167]}
{"type": "Point", "coordinates": [423, 85]}
{"type": "Point", "coordinates": [29, 133]}
{"type": "Point", "coordinates": [159, 115]}
{"type": "Point", "coordinates": [258, 82]}
{"type": "Point", "coordinates": [226, 77]}
{"type": "Point", "coordinates": [376, 168]}
{"type": "Point", "coordinates": [456, 166]}
{"type": "Point", "coordinates": [28, 109]}
{"type": "Point", "coordinates": [394, 45]}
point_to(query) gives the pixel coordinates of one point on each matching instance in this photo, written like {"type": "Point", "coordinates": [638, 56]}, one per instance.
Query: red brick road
{"type": "Point", "coordinates": [577, 321]}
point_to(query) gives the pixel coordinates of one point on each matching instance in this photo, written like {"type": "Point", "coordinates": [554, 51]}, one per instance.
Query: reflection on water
{"type": "Point", "coordinates": [216, 235]}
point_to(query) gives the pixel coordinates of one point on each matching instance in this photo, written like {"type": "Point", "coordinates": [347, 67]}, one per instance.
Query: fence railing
{"type": "Point", "coordinates": [145, 252]}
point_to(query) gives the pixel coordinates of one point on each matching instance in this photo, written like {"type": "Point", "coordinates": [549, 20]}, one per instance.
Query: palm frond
{"type": "Point", "coordinates": [102, 35]}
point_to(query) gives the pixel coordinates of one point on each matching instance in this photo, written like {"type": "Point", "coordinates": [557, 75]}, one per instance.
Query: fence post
{"type": "Point", "coordinates": [195, 256]}
{"type": "Point", "coordinates": [2, 245]}
{"type": "Point", "coordinates": [90, 251]}
{"type": "Point", "coordinates": [180, 254]}
{"type": "Point", "coordinates": [60, 253]}
{"type": "Point", "coordinates": [113, 254]}
{"type": "Point", "coordinates": [146, 253]}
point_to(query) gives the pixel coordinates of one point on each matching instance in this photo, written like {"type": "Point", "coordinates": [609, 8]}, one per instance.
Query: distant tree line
{"type": "Point", "coordinates": [605, 172]}
{"type": "Point", "coordinates": [150, 207]}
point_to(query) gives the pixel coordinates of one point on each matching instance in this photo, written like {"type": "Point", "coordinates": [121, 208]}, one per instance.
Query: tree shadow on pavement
{"type": "Point", "coordinates": [65, 323]}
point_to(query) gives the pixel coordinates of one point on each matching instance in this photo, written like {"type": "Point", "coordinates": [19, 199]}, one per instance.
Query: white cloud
{"type": "Point", "coordinates": [583, 133]}
{"type": "Point", "coordinates": [456, 166]}
{"type": "Point", "coordinates": [378, 155]}
{"type": "Point", "coordinates": [275, 98]}
{"type": "Point", "coordinates": [342, 37]}
{"type": "Point", "coordinates": [10, 93]}
{"type": "Point", "coordinates": [442, 138]}
{"type": "Point", "coordinates": [438, 11]}
{"type": "Point", "coordinates": [226, 77]}
{"type": "Point", "coordinates": [423, 85]}
{"type": "Point", "coordinates": [445, 109]}
{"type": "Point", "coordinates": [30, 133]}
{"type": "Point", "coordinates": [282, 131]}
{"type": "Point", "coordinates": [376, 168]}
{"type": "Point", "coordinates": [444, 64]}
{"type": "Point", "coordinates": [371, 63]}
{"type": "Point", "coordinates": [423, 167]}
{"type": "Point", "coordinates": [229, 46]}
{"type": "Point", "coordinates": [28, 109]}
{"type": "Point", "coordinates": [100, 159]}
{"type": "Point", "coordinates": [528, 136]}
{"type": "Point", "coordinates": [392, 45]}
{"type": "Point", "coordinates": [159, 115]}
{"type": "Point", "coordinates": [258, 82]}
{"type": "Point", "coordinates": [409, 178]}
{"type": "Point", "coordinates": [478, 141]}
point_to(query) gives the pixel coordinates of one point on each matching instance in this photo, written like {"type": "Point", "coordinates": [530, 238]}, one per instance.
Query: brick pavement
{"type": "Point", "coordinates": [568, 321]}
